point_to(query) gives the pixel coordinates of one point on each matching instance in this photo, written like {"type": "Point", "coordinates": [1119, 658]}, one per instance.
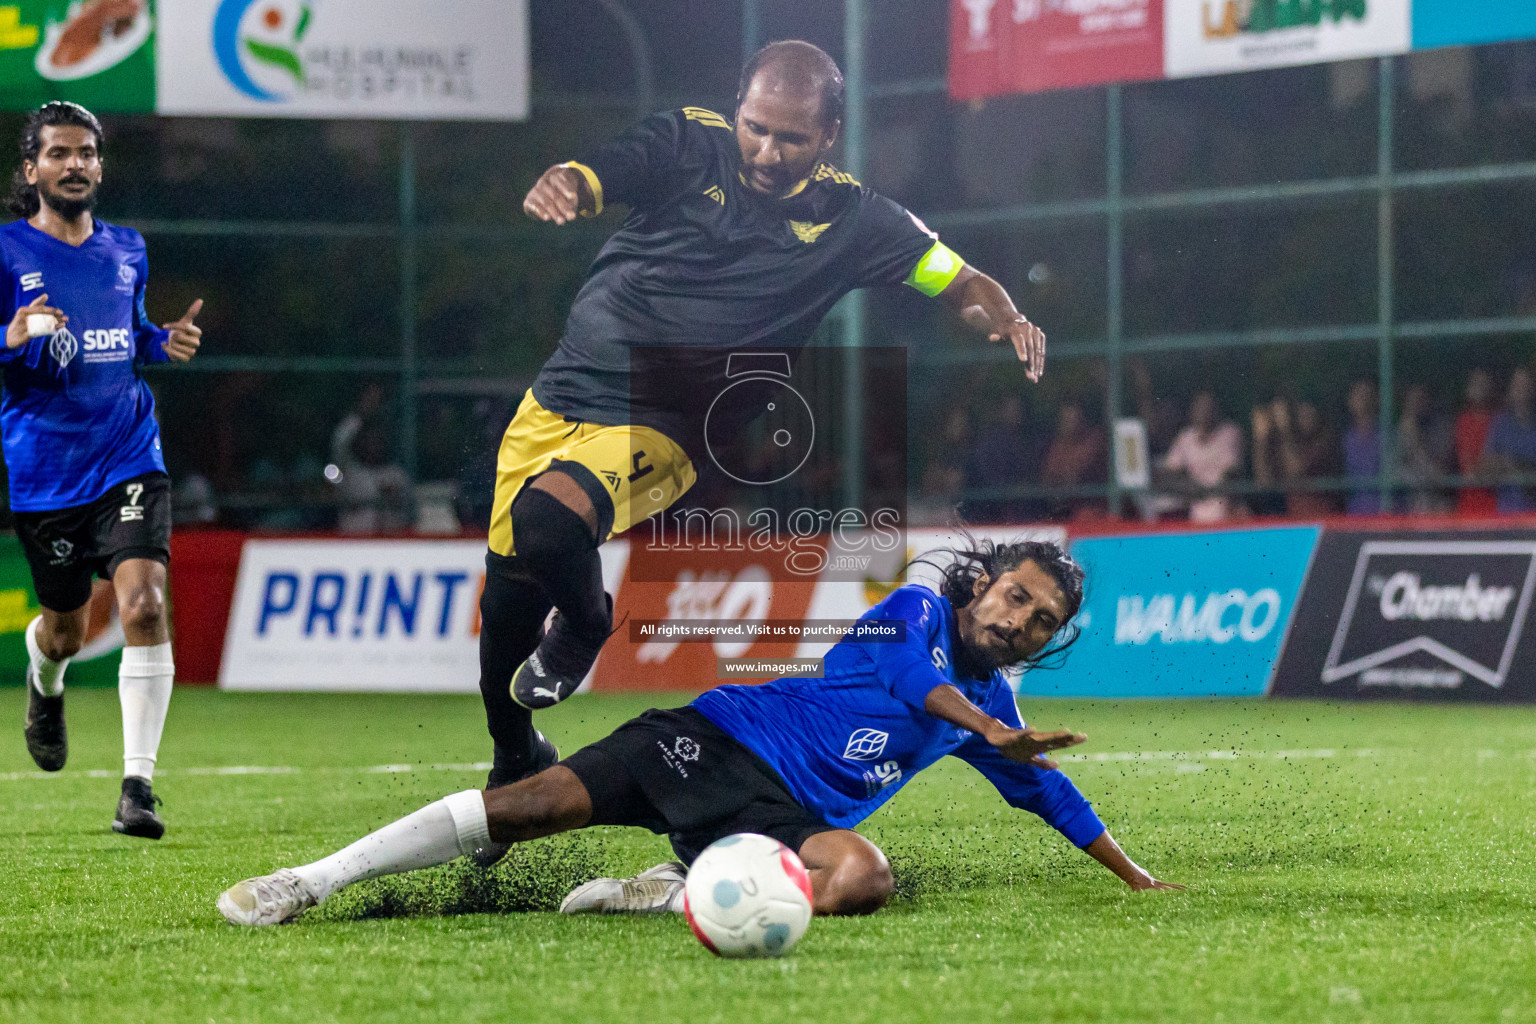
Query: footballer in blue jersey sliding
{"type": "Point", "coordinates": [800, 760]}
{"type": "Point", "coordinates": [88, 485]}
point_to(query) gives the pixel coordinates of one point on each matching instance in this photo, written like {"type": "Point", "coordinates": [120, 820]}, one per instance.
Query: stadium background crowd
{"type": "Point", "coordinates": [299, 417]}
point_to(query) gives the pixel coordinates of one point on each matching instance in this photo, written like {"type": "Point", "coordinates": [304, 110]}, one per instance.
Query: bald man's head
{"type": "Point", "coordinates": [787, 115]}
{"type": "Point", "coordinates": [800, 69]}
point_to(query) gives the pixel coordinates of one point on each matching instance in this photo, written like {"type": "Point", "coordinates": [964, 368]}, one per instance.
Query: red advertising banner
{"type": "Point", "coordinates": [699, 585]}
{"type": "Point", "coordinates": [1007, 46]}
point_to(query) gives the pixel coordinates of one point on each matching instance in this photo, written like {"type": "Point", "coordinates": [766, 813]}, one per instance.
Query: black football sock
{"type": "Point", "coordinates": [557, 549]}
{"type": "Point", "coordinates": [512, 611]}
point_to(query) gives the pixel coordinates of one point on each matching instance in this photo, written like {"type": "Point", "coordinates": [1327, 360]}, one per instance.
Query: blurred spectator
{"type": "Point", "coordinates": [1362, 450]}
{"type": "Point", "coordinates": [1422, 454]}
{"type": "Point", "coordinates": [1471, 435]}
{"type": "Point", "coordinates": [999, 458]}
{"type": "Point", "coordinates": [1511, 444]}
{"type": "Point", "coordinates": [1078, 455]}
{"type": "Point", "coordinates": [938, 494]}
{"type": "Point", "coordinates": [1268, 460]}
{"type": "Point", "coordinates": [1205, 455]}
{"type": "Point", "coordinates": [1294, 446]}
{"type": "Point", "coordinates": [375, 495]}
{"type": "Point", "coordinates": [192, 502]}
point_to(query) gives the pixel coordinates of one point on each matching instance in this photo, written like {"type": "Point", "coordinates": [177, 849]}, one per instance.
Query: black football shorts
{"type": "Point", "coordinates": [677, 773]}
{"type": "Point", "coordinates": [66, 547]}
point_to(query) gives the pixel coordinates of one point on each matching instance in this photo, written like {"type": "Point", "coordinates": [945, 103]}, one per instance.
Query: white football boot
{"type": "Point", "coordinates": [657, 890]}
{"type": "Point", "coordinates": [270, 899]}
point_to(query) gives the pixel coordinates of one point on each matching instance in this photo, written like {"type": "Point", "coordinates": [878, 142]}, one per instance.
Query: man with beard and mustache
{"type": "Point", "coordinates": [88, 483]}
{"type": "Point", "coordinates": [800, 760]}
{"type": "Point", "coordinates": [740, 237]}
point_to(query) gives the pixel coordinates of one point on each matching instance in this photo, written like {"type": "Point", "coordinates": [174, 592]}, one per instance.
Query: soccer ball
{"type": "Point", "coordinates": [748, 895]}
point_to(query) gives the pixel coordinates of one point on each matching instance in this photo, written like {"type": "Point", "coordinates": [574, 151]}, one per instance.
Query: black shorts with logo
{"type": "Point", "coordinates": [67, 546]}
{"type": "Point", "coordinates": [677, 773]}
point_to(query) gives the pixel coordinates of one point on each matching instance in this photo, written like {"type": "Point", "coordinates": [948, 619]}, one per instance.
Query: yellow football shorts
{"type": "Point", "coordinates": [641, 469]}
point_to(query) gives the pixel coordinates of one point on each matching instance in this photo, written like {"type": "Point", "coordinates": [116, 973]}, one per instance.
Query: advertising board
{"type": "Point", "coordinates": [1437, 615]}
{"type": "Point", "coordinates": [1181, 615]}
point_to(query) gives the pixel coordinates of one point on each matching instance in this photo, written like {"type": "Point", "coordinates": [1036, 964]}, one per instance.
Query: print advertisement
{"type": "Point", "coordinates": [372, 616]}
{"type": "Point", "coordinates": [1182, 615]}
{"type": "Point", "coordinates": [99, 53]}
{"type": "Point", "coordinates": [1438, 616]}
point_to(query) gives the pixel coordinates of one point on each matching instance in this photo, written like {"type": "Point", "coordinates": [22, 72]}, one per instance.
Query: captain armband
{"type": "Point", "coordinates": [592, 183]}
{"type": "Point", "coordinates": [939, 266]}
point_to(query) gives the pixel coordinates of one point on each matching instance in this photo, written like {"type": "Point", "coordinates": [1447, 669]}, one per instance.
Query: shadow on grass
{"type": "Point", "coordinates": [533, 876]}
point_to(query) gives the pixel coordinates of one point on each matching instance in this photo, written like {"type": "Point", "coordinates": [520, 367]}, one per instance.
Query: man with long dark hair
{"type": "Point", "coordinates": [800, 760]}
{"type": "Point", "coordinates": [88, 483]}
{"type": "Point", "coordinates": [740, 236]}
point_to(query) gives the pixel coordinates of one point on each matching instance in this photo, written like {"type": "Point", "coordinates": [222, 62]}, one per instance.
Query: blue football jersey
{"type": "Point", "coordinates": [844, 744]}
{"type": "Point", "coordinates": [76, 415]}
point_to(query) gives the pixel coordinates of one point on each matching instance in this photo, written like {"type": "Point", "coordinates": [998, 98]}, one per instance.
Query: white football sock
{"type": "Point", "coordinates": [144, 682]}
{"type": "Point", "coordinates": [47, 675]}
{"type": "Point", "coordinates": [453, 826]}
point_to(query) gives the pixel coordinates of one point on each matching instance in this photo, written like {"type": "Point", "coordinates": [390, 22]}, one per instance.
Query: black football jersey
{"type": "Point", "coordinates": [704, 266]}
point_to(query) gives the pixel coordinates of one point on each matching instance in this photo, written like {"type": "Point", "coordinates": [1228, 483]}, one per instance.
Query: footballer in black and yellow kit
{"type": "Point", "coordinates": [739, 236]}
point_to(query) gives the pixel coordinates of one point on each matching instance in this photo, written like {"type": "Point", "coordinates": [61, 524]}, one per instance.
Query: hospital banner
{"type": "Point", "coordinates": [432, 59]}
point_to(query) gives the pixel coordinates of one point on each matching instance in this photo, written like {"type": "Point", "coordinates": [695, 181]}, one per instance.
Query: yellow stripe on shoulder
{"type": "Point", "coordinates": [826, 172]}
{"type": "Point", "coordinates": [707, 118]}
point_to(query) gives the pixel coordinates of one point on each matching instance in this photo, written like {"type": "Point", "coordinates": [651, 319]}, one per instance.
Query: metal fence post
{"type": "Point", "coordinates": [1114, 323]}
{"type": "Point", "coordinates": [853, 303]}
{"type": "Point", "coordinates": [1385, 328]}
{"type": "Point", "coordinates": [409, 371]}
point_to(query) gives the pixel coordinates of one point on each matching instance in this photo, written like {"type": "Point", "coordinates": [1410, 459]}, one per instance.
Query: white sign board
{"type": "Point", "coordinates": [1207, 37]}
{"type": "Point", "coordinates": [362, 615]}
{"type": "Point", "coordinates": [426, 59]}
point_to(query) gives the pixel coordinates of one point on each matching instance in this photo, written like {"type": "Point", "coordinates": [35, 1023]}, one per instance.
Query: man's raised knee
{"type": "Point", "coordinates": [144, 611]}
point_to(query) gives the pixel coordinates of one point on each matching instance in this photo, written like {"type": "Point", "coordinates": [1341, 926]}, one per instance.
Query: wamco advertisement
{"type": "Point", "coordinates": [1182, 615]}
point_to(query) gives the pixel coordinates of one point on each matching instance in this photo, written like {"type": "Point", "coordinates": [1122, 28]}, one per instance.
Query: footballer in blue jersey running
{"type": "Point", "coordinates": [87, 479]}
{"type": "Point", "coordinates": [800, 760]}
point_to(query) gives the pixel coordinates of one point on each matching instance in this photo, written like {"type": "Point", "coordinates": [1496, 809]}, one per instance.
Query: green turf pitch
{"type": "Point", "coordinates": [1344, 863]}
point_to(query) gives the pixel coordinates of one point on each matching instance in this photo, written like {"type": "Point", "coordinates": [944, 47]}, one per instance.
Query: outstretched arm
{"type": "Point", "coordinates": [563, 193]}
{"type": "Point", "coordinates": [986, 306]}
{"type": "Point", "coordinates": [1107, 852]}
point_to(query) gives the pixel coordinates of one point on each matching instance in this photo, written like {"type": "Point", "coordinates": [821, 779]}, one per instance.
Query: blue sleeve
{"type": "Point", "coordinates": [149, 340]}
{"type": "Point", "coordinates": [1049, 794]}
{"type": "Point", "coordinates": [906, 669]}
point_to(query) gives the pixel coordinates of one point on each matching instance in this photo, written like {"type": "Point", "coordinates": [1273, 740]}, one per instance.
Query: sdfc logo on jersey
{"type": "Point", "coordinates": [63, 346]}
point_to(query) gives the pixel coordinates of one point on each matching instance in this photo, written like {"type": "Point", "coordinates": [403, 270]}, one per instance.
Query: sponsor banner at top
{"type": "Point", "coordinates": [96, 52]}
{"type": "Point", "coordinates": [430, 59]}
{"type": "Point", "coordinates": [1006, 46]}
{"type": "Point", "coordinates": [1003, 46]}
{"type": "Point", "coordinates": [1462, 23]}
{"type": "Point", "coordinates": [1443, 615]}
{"type": "Point", "coordinates": [1181, 615]}
{"type": "Point", "coordinates": [1205, 37]}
